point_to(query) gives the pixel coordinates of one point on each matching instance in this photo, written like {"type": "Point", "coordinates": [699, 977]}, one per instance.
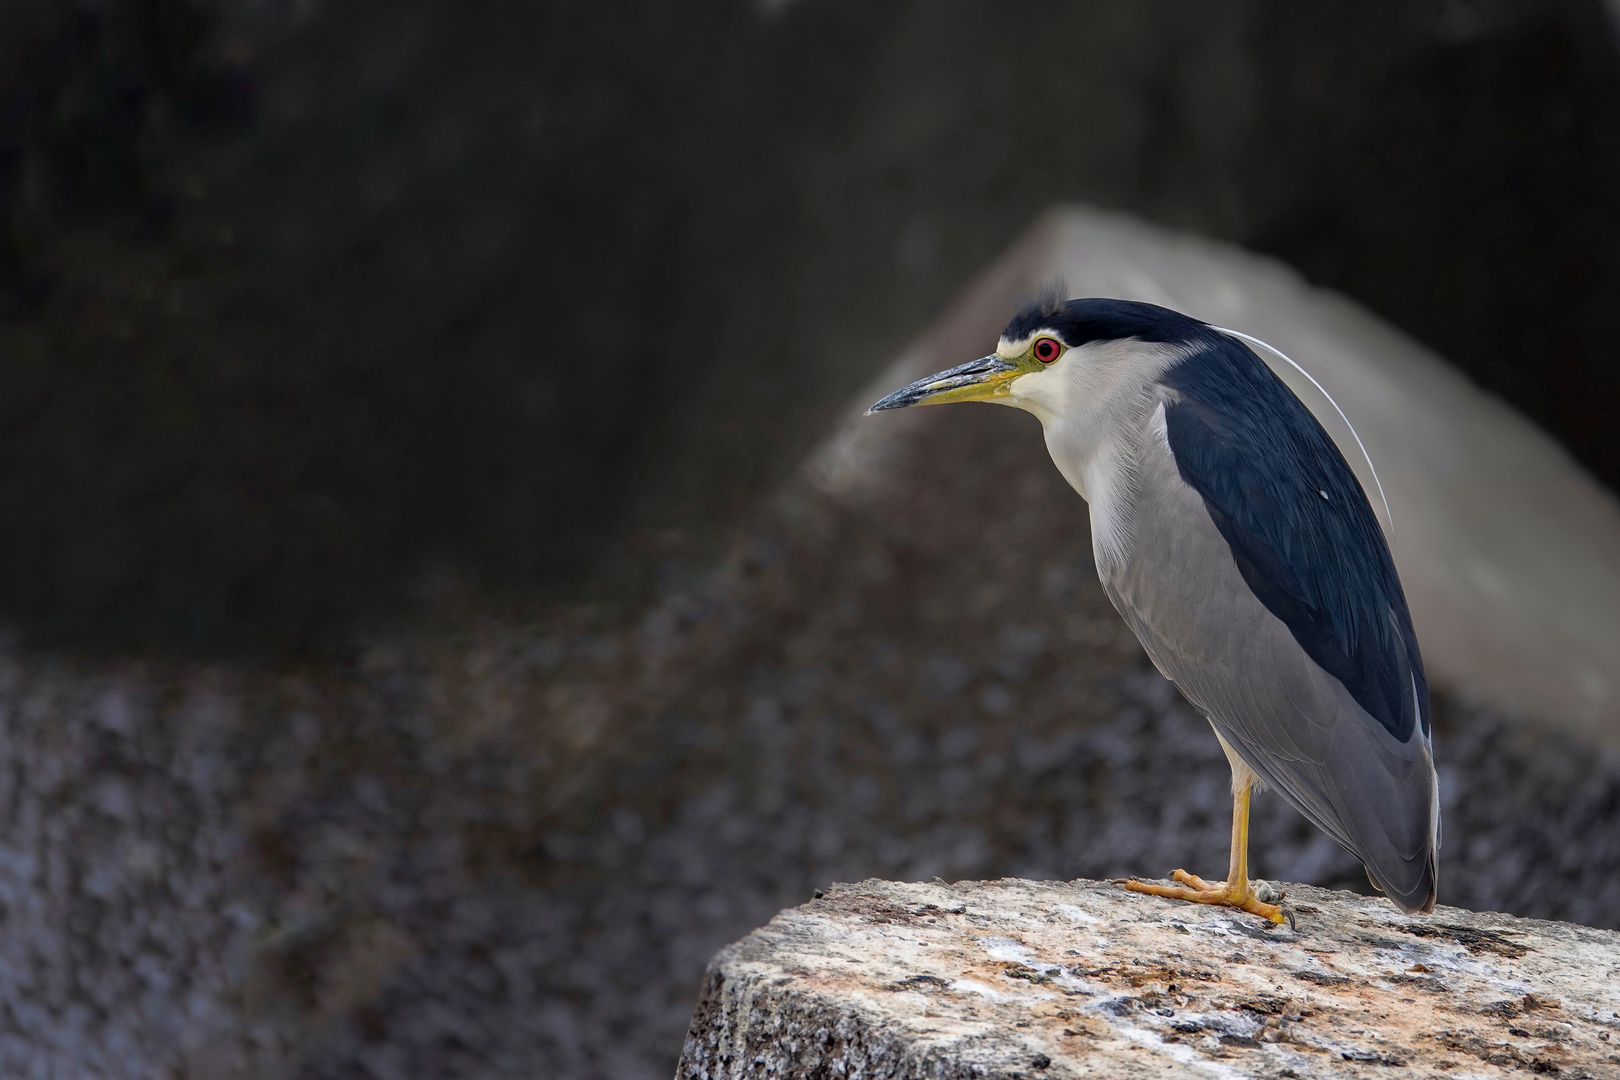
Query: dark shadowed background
{"type": "Point", "coordinates": [310, 305]}
{"type": "Point", "coordinates": [374, 375]}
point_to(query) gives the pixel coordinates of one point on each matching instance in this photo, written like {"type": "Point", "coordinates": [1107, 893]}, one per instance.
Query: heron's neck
{"type": "Point", "coordinates": [1093, 406]}
{"type": "Point", "coordinates": [1094, 433]}
{"type": "Point", "coordinates": [1097, 407]}
{"type": "Point", "coordinates": [1103, 461]}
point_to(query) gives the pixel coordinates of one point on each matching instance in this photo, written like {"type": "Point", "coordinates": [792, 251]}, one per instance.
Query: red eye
{"type": "Point", "coordinates": [1047, 350]}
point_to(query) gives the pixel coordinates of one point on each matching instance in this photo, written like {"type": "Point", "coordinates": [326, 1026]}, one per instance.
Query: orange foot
{"type": "Point", "coordinates": [1203, 892]}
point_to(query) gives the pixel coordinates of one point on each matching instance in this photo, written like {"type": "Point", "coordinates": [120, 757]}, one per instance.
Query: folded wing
{"type": "Point", "coordinates": [1262, 585]}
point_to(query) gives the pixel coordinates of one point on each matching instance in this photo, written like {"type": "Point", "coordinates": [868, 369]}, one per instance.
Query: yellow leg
{"type": "Point", "coordinates": [1234, 891]}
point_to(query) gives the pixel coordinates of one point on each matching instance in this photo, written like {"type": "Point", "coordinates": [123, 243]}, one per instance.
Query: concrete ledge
{"type": "Point", "coordinates": [1047, 980]}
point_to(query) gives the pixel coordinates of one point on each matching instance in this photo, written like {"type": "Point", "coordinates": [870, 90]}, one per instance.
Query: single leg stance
{"type": "Point", "coordinates": [1235, 890]}
{"type": "Point", "coordinates": [1241, 548]}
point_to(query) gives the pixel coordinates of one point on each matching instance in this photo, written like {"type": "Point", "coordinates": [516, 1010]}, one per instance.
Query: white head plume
{"type": "Point", "coordinates": [1241, 336]}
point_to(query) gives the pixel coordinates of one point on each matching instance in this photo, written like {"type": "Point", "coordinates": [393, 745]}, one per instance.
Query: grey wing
{"type": "Point", "coordinates": [1295, 725]}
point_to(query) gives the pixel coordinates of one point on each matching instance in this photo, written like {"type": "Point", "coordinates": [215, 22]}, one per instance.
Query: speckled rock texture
{"type": "Point", "coordinates": [1020, 979]}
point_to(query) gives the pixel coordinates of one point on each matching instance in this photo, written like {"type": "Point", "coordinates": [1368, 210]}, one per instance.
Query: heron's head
{"type": "Point", "coordinates": [1066, 360]}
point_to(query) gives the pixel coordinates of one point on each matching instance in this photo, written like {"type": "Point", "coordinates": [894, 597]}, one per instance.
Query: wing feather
{"type": "Point", "coordinates": [1261, 585]}
{"type": "Point", "coordinates": [1298, 524]}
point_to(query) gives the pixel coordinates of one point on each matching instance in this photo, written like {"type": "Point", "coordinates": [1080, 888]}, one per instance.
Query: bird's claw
{"type": "Point", "coordinates": [1199, 891]}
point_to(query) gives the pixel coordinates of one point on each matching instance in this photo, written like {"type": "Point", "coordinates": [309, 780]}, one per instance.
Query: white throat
{"type": "Point", "coordinates": [1100, 408]}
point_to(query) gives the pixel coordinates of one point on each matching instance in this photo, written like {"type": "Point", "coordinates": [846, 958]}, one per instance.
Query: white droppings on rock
{"type": "Point", "coordinates": [1076, 916]}
{"type": "Point", "coordinates": [1005, 949]}
{"type": "Point", "coordinates": [969, 986]}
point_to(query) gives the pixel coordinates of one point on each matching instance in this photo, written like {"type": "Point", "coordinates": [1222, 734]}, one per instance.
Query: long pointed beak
{"type": "Point", "coordinates": [976, 380]}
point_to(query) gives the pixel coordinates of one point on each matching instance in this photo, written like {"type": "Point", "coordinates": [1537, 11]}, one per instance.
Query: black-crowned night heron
{"type": "Point", "coordinates": [1237, 543]}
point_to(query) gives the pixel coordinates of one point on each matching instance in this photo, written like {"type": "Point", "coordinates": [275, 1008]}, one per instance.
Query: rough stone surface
{"type": "Point", "coordinates": [1030, 979]}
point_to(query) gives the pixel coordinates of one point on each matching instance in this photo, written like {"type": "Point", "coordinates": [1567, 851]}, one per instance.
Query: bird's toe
{"type": "Point", "coordinates": [1199, 891]}
{"type": "Point", "coordinates": [1195, 882]}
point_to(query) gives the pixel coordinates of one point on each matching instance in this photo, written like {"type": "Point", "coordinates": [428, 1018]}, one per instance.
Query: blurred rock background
{"type": "Point", "coordinates": [421, 655]}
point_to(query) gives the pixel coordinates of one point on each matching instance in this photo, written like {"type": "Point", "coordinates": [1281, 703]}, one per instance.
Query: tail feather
{"type": "Point", "coordinates": [1376, 798]}
{"type": "Point", "coordinates": [1385, 798]}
